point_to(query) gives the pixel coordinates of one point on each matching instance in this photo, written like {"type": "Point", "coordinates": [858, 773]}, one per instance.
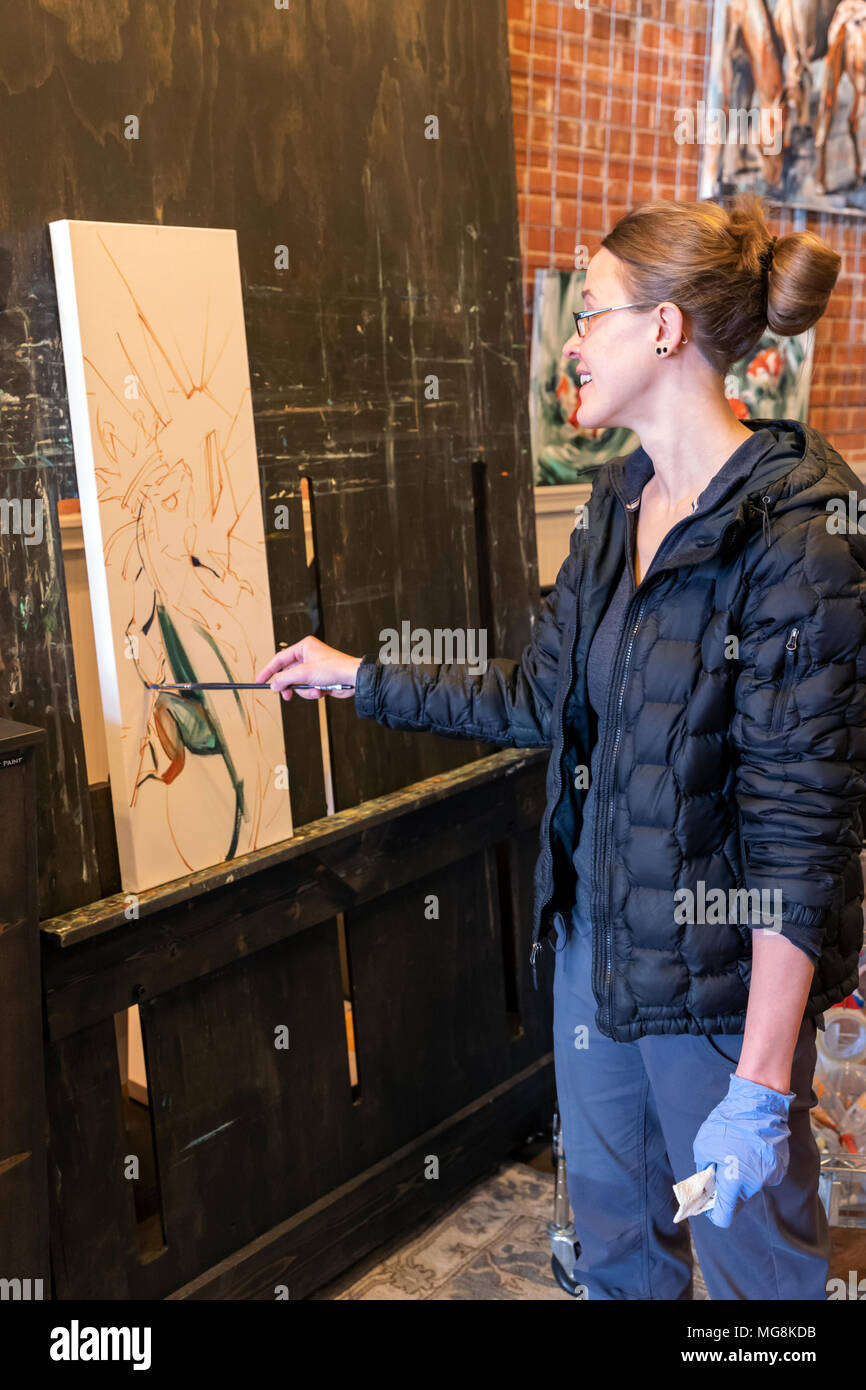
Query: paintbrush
{"type": "Point", "coordinates": [239, 685]}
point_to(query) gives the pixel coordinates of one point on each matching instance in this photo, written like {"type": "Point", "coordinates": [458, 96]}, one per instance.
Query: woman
{"type": "Point", "coordinates": [699, 672]}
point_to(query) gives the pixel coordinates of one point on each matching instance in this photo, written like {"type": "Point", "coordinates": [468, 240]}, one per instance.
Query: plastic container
{"type": "Point", "coordinates": [843, 1038]}
{"type": "Point", "coordinates": [842, 1188]}
{"type": "Point", "coordinates": [839, 1118]}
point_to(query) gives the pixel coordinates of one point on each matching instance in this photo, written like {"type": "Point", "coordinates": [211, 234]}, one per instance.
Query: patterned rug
{"type": "Point", "coordinates": [491, 1243]}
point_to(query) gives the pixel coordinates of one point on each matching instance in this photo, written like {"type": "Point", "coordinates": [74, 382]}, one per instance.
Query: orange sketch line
{"type": "Point", "coordinates": [142, 315]}
{"type": "Point", "coordinates": [139, 377]}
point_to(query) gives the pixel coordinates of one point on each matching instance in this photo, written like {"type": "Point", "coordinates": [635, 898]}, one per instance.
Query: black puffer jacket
{"type": "Point", "coordinates": [744, 771]}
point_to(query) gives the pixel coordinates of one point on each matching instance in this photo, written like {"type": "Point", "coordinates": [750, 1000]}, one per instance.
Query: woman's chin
{"type": "Point", "coordinates": [589, 417]}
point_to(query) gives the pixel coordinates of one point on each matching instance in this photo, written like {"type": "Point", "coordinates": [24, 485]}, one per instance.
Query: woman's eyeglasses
{"type": "Point", "coordinates": [580, 319]}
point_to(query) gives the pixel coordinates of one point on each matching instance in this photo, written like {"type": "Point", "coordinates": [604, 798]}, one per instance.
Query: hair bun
{"type": "Point", "coordinates": [801, 277]}
{"type": "Point", "coordinates": [749, 229]}
{"type": "Point", "coordinates": [795, 273]}
{"type": "Point", "coordinates": [730, 277]}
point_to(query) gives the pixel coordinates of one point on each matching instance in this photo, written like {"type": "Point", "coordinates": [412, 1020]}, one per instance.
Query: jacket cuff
{"type": "Point", "coordinates": [812, 906]}
{"type": "Point", "coordinates": [800, 915]}
{"type": "Point", "coordinates": [366, 679]}
{"type": "Point", "coordinates": [808, 940]}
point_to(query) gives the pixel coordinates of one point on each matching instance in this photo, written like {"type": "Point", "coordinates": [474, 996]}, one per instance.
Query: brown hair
{"type": "Point", "coordinates": [723, 271]}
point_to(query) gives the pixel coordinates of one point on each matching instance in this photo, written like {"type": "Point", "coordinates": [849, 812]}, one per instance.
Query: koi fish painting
{"type": "Point", "coordinates": [772, 381]}
{"type": "Point", "coordinates": [158, 381]}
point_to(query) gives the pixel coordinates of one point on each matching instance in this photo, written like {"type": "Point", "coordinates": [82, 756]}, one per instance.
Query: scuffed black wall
{"type": "Point", "coordinates": [304, 128]}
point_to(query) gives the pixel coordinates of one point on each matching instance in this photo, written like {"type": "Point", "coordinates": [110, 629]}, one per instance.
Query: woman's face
{"type": "Point", "coordinates": [618, 352]}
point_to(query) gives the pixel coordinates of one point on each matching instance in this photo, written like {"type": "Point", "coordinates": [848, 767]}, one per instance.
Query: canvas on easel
{"type": "Point", "coordinates": [158, 380]}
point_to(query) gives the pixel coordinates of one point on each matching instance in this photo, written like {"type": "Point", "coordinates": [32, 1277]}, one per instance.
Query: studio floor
{"type": "Point", "coordinates": [492, 1243]}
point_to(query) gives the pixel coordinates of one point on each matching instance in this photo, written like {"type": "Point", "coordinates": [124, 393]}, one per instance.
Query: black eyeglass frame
{"type": "Point", "coordinates": [580, 316]}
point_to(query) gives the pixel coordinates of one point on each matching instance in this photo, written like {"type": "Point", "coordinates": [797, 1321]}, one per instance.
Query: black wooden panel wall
{"type": "Point", "coordinates": [302, 128]}
{"type": "Point", "coordinates": [24, 1217]}
{"type": "Point", "coordinates": [286, 1136]}
{"type": "Point", "coordinates": [246, 1133]}
{"type": "Point", "coordinates": [273, 1165]}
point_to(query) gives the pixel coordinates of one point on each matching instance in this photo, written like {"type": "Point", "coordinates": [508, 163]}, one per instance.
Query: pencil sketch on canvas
{"type": "Point", "coordinates": [159, 393]}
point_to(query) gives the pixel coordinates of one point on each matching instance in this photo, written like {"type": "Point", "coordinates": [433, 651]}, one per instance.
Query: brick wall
{"type": "Point", "coordinates": [594, 93]}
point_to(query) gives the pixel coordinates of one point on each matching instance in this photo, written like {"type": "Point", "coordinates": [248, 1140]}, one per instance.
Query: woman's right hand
{"type": "Point", "coordinates": [309, 661]}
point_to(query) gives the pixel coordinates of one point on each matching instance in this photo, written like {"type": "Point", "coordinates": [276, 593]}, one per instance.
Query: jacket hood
{"type": "Point", "coordinates": [762, 478]}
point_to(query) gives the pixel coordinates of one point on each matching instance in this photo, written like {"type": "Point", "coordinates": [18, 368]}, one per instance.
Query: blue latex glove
{"type": "Point", "coordinates": [746, 1137]}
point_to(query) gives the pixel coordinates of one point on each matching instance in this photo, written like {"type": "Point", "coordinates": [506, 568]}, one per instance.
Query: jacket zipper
{"type": "Point", "coordinates": [537, 945]}
{"type": "Point", "coordinates": [787, 681]}
{"type": "Point", "coordinates": [609, 835]}
{"type": "Point", "coordinates": [547, 853]}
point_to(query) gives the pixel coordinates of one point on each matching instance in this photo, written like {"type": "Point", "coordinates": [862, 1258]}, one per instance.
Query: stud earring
{"type": "Point", "coordinates": [664, 349]}
{"type": "Point", "coordinates": [658, 352]}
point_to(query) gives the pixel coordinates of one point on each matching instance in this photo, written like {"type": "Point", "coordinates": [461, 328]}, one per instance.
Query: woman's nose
{"type": "Point", "coordinates": [572, 348]}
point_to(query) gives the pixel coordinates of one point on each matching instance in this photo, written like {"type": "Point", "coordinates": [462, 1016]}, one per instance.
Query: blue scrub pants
{"type": "Point", "coordinates": [629, 1114]}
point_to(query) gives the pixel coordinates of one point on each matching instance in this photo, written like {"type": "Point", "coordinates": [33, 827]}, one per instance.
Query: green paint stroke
{"type": "Point", "coordinates": [194, 715]}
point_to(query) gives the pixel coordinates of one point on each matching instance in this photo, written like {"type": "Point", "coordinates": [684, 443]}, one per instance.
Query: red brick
{"type": "Point", "coordinates": [547, 15]}
{"type": "Point", "coordinates": [538, 42]}
{"type": "Point", "coordinates": [593, 166]}
{"type": "Point", "coordinates": [574, 19]}
{"type": "Point", "coordinates": [564, 244]}
{"type": "Point", "coordinates": [620, 141]}
{"type": "Point", "coordinates": [620, 112]}
{"type": "Point", "coordinates": [594, 107]}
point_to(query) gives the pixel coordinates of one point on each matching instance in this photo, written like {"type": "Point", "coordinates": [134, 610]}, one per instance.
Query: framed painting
{"type": "Point", "coordinates": [783, 115]}
{"type": "Point", "coordinates": [772, 381]}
